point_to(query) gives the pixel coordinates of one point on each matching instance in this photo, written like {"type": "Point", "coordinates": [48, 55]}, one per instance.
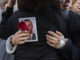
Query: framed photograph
{"type": "Point", "coordinates": [32, 28]}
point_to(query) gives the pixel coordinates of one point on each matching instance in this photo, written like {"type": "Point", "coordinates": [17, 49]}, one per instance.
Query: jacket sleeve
{"type": "Point", "coordinates": [9, 48]}
{"type": "Point", "coordinates": [6, 15]}
{"type": "Point", "coordinates": [5, 20]}
{"type": "Point", "coordinates": [71, 50]}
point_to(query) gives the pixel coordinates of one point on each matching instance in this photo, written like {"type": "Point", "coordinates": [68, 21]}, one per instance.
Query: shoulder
{"type": "Point", "coordinates": [72, 13]}
{"type": "Point", "coordinates": [21, 14]}
{"type": "Point", "coordinates": [74, 21]}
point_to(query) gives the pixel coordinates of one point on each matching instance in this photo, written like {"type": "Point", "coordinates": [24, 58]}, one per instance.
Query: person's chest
{"type": "Point", "coordinates": [45, 22]}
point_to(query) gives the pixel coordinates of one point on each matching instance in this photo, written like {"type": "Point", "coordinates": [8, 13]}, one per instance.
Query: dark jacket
{"type": "Point", "coordinates": [3, 54]}
{"type": "Point", "coordinates": [49, 19]}
{"type": "Point", "coordinates": [6, 15]}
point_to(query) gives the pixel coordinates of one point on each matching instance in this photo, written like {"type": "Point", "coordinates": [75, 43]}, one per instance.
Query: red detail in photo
{"type": "Point", "coordinates": [22, 26]}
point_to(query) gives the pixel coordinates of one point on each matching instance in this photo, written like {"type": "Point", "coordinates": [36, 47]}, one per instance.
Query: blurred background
{"type": "Point", "coordinates": [3, 5]}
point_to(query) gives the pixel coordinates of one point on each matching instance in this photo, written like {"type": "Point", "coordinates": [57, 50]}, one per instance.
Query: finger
{"type": "Point", "coordinates": [19, 32]}
{"type": "Point", "coordinates": [51, 38]}
{"type": "Point", "coordinates": [24, 35]}
{"type": "Point", "coordinates": [53, 34]}
{"type": "Point", "coordinates": [59, 33]}
{"type": "Point", "coordinates": [52, 45]}
{"type": "Point", "coordinates": [26, 31]}
{"type": "Point", "coordinates": [51, 41]}
{"type": "Point", "coordinates": [23, 39]}
{"type": "Point", "coordinates": [22, 42]}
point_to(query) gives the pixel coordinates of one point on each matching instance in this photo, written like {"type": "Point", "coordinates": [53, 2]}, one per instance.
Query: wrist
{"type": "Point", "coordinates": [62, 43]}
{"type": "Point", "coordinates": [12, 42]}
{"type": "Point", "coordinates": [9, 48]}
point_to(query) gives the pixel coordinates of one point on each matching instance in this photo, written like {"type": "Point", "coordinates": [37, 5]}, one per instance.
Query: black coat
{"type": "Point", "coordinates": [50, 19]}
{"type": "Point", "coordinates": [6, 15]}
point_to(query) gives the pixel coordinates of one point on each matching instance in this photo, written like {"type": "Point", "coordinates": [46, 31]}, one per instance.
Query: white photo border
{"type": "Point", "coordinates": [33, 20]}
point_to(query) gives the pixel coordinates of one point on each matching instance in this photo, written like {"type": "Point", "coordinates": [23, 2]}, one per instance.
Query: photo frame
{"type": "Point", "coordinates": [34, 35]}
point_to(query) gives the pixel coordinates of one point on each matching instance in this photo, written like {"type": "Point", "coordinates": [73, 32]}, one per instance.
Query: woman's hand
{"type": "Point", "coordinates": [53, 39]}
{"type": "Point", "coordinates": [20, 37]}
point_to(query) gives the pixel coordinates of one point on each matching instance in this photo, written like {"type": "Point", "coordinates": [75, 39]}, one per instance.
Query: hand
{"type": "Point", "coordinates": [53, 39]}
{"type": "Point", "coordinates": [20, 38]}
{"type": "Point", "coordinates": [11, 3]}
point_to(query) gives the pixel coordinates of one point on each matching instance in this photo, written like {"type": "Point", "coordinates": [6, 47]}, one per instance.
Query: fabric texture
{"type": "Point", "coordinates": [9, 48]}
{"type": "Point", "coordinates": [3, 53]}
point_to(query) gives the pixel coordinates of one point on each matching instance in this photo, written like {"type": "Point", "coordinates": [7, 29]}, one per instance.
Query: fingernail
{"type": "Point", "coordinates": [50, 31]}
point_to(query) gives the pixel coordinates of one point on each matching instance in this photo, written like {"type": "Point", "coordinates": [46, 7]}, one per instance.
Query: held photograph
{"type": "Point", "coordinates": [29, 25]}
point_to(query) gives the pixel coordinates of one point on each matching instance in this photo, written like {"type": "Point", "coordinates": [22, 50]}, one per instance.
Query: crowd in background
{"type": "Point", "coordinates": [3, 6]}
